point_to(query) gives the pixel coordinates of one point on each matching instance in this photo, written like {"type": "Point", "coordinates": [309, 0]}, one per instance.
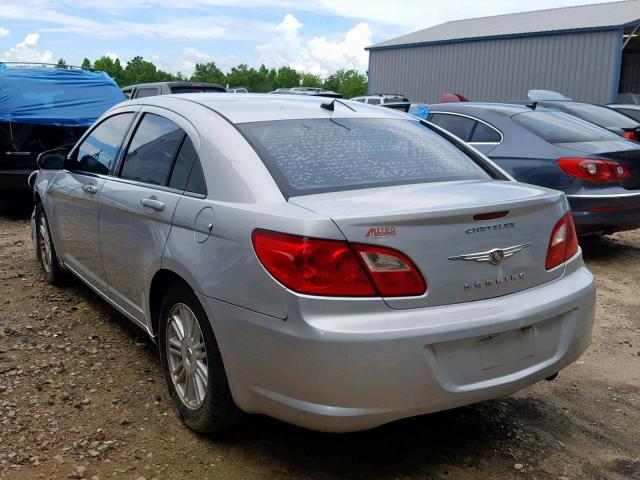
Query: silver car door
{"type": "Point", "coordinates": [136, 208]}
{"type": "Point", "coordinates": [75, 192]}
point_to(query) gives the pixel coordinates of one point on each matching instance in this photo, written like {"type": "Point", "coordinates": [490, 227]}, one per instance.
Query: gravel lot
{"type": "Point", "coordinates": [82, 396]}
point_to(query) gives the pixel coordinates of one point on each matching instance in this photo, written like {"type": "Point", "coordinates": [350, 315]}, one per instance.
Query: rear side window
{"type": "Point", "coordinates": [98, 150]}
{"type": "Point", "coordinates": [559, 127]}
{"type": "Point", "coordinates": [603, 116]}
{"type": "Point", "coordinates": [484, 133]}
{"type": "Point", "coordinates": [147, 92]}
{"type": "Point", "coordinates": [187, 172]}
{"type": "Point", "coordinates": [374, 101]}
{"type": "Point", "coordinates": [461, 127]}
{"type": "Point", "coordinates": [151, 151]}
{"type": "Point", "coordinates": [322, 155]}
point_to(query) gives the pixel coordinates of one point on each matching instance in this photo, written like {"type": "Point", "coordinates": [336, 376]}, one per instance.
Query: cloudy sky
{"type": "Point", "coordinates": [318, 36]}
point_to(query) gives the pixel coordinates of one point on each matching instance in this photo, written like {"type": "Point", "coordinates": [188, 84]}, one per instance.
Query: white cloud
{"type": "Point", "coordinates": [112, 56]}
{"type": "Point", "coordinates": [185, 62]}
{"type": "Point", "coordinates": [27, 51]}
{"type": "Point", "coordinates": [409, 14]}
{"type": "Point", "coordinates": [318, 55]}
{"type": "Point", "coordinates": [4, 32]}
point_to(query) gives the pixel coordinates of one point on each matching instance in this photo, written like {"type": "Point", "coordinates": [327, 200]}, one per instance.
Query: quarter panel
{"type": "Point", "coordinates": [225, 266]}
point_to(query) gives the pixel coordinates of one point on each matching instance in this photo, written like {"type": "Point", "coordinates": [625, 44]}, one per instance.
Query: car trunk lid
{"type": "Point", "coordinates": [434, 225]}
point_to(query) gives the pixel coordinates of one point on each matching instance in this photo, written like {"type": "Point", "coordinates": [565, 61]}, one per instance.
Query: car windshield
{"type": "Point", "coordinates": [558, 127]}
{"type": "Point", "coordinates": [325, 155]}
{"type": "Point", "coordinates": [603, 116]}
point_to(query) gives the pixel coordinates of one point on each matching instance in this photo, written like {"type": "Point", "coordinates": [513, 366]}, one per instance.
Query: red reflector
{"type": "Point", "coordinates": [491, 215]}
{"type": "Point", "coordinates": [606, 209]}
{"type": "Point", "coordinates": [336, 268]}
{"type": "Point", "coordinates": [630, 135]}
{"type": "Point", "coordinates": [594, 170]}
{"type": "Point", "coordinates": [563, 243]}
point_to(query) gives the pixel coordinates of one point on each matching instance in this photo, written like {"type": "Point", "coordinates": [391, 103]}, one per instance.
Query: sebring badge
{"type": "Point", "coordinates": [494, 256]}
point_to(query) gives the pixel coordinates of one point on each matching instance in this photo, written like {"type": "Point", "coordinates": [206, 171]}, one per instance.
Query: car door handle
{"type": "Point", "coordinates": [89, 188]}
{"type": "Point", "coordinates": [153, 203]}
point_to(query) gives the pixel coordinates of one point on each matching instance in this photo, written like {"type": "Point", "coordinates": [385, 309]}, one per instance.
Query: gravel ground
{"type": "Point", "coordinates": [82, 396]}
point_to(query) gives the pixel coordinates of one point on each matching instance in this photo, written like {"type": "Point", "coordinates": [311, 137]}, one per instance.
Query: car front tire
{"type": "Point", "coordinates": [54, 273]}
{"type": "Point", "coordinates": [193, 368]}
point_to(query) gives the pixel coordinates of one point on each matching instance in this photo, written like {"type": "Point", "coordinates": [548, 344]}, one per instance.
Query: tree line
{"type": "Point", "coordinates": [349, 83]}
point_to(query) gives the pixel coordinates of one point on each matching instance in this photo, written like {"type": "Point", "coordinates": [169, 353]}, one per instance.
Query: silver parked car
{"type": "Point", "coordinates": [328, 263]}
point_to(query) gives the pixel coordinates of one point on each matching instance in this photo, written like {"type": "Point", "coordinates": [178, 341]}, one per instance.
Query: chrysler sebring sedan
{"type": "Point", "coordinates": [328, 263]}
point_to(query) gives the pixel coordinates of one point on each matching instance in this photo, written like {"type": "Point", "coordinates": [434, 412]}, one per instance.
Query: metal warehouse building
{"type": "Point", "coordinates": [589, 53]}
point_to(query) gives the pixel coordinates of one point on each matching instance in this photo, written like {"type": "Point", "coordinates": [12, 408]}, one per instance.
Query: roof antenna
{"type": "Point", "coordinates": [532, 105]}
{"type": "Point", "coordinates": [331, 105]}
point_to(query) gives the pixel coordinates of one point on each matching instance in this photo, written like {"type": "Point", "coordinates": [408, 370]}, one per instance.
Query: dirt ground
{"type": "Point", "coordinates": [82, 396]}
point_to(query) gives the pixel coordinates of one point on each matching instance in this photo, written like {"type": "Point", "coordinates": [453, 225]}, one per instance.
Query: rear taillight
{"type": "Point", "coordinates": [336, 268]}
{"type": "Point", "coordinates": [593, 170]}
{"type": "Point", "coordinates": [630, 135]}
{"type": "Point", "coordinates": [563, 243]}
{"type": "Point", "coordinates": [393, 273]}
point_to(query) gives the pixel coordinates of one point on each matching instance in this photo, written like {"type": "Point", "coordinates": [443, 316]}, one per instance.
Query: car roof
{"type": "Point", "coordinates": [174, 84]}
{"type": "Point", "coordinates": [255, 107]}
{"type": "Point", "coordinates": [508, 109]}
{"type": "Point", "coordinates": [631, 106]}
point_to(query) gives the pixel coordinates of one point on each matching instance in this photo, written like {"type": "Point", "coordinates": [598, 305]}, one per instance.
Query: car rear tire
{"type": "Point", "coordinates": [54, 273]}
{"type": "Point", "coordinates": [193, 368]}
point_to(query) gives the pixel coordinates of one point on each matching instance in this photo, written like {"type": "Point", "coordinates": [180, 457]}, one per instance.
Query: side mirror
{"type": "Point", "coordinates": [52, 159]}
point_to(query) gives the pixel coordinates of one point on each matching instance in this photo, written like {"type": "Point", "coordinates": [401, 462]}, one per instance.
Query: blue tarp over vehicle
{"type": "Point", "coordinates": [55, 96]}
{"type": "Point", "coordinates": [421, 111]}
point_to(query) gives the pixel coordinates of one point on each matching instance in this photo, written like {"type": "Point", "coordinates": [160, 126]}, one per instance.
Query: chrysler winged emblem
{"type": "Point", "coordinates": [494, 256]}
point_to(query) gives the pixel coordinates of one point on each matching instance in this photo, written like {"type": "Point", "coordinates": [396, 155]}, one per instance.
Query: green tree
{"type": "Point", "coordinates": [287, 77]}
{"type": "Point", "coordinates": [311, 80]}
{"type": "Point", "coordinates": [350, 83]}
{"type": "Point", "coordinates": [112, 68]}
{"type": "Point", "coordinates": [244, 76]}
{"type": "Point", "coordinates": [86, 63]}
{"type": "Point", "coordinates": [61, 63]}
{"type": "Point", "coordinates": [208, 72]}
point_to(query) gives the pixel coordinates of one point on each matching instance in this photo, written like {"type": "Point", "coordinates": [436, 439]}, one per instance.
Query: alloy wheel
{"type": "Point", "coordinates": [186, 356]}
{"type": "Point", "coordinates": [44, 244]}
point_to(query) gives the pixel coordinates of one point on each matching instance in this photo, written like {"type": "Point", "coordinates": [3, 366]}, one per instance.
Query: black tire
{"type": "Point", "coordinates": [218, 410]}
{"type": "Point", "coordinates": [54, 273]}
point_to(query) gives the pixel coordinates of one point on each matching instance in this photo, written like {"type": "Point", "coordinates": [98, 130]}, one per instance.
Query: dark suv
{"type": "Point", "coordinates": [166, 88]}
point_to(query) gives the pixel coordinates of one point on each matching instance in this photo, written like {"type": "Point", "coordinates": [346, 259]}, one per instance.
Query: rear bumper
{"type": "Point", "coordinates": [615, 213]}
{"type": "Point", "coordinates": [15, 180]}
{"type": "Point", "coordinates": [358, 369]}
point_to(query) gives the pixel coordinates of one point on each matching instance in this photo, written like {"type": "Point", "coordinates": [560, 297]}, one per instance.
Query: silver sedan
{"type": "Point", "coordinates": [331, 264]}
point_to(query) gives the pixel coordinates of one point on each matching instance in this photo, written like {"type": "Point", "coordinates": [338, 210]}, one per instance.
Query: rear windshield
{"type": "Point", "coordinates": [603, 116]}
{"type": "Point", "coordinates": [325, 155]}
{"type": "Point", "coordinates": [559, 127]}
